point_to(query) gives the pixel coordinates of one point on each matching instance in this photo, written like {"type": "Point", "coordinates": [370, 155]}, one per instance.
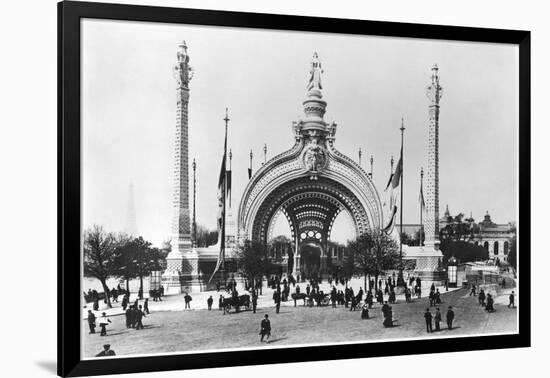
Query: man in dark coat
{"type": "Point", "coordinates": [124, 302]}
{"type": "Point", "coordinates": [450, 317]}
{"type": "Point", "coordinates": [188, 300]}
{"type": "Point", "coordinates": [277, 299]}
{"type": "Point", "coordinates": [91, 321]}
{"type": "Point", "coordinates": [107, 351]}
{"type": "Point", "coordinates": [473, 290]}
{"type": "Point", "coordinates": [369, 299]}
{"type": "Point", "coordinates": [265, 329]}
{"type": "Point", "coordinates": [428, 319]}
{"type": "Point", "coordinates": [220, 302]}
{"type": "Point", "coordinates": [209, 302]}
{"type": "Point", "coordinates": [146, 306]}
{"type": "Point", "coordinates": [512, 300]}
{"type": "Point", "coordinates": [128, 314]}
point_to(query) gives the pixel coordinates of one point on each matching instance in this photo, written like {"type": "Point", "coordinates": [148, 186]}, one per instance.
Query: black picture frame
{"type": "Point", "coordinates": [69, 155]}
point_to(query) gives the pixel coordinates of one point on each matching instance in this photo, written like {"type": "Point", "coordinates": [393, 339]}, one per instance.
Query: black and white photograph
{"type": "Point", "coordinates": [246, 189]}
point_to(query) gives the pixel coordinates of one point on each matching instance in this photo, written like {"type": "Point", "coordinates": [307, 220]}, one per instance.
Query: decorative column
{"type": "Point", "coordinates": [431, 226]}
{"type": "Point", "coordinates": [182, 262]}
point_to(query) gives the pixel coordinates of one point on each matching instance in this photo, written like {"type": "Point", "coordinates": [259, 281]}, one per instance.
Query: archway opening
{"type": "Point", "coordinates": [310, 261]}
{"type": "Point", "coordinates": [495, 248]}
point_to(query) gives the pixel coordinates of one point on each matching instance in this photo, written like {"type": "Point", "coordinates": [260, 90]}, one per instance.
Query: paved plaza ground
{"type": "Point", "coordinates": [169, 329]}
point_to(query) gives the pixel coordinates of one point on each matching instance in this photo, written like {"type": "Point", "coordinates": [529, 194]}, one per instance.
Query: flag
{"type": "Point", "coordinates": [391, 223]}
{"type": "Point", "coordinates": [397, 174]}
{"type": "Point", "coordinates": [222, 193]}
{"type": "Point", "coordinates": [228, 185]}
{"type": "Point", "coordinates": [389, 182]}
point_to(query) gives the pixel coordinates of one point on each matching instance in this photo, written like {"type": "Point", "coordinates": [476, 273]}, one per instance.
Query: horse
{"type": "Point", "coordinates": [298, 296]}
{"type": "Point", "coordinates": [240, 301]}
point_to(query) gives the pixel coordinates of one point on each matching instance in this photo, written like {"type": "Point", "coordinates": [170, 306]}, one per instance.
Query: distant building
{"type": "Point", "coordinates": [495, 238]}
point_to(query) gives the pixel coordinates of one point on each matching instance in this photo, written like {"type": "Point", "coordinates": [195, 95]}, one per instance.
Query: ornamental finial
{"type": "Point", "coordinates": [315, 74]}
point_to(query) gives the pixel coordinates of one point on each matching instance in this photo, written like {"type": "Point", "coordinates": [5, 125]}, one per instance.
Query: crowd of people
{"type": "Point", "coordinates": [341, 294]}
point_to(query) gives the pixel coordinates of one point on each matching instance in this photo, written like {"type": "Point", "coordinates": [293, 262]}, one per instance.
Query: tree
{"type": "Point", "coordinates": [253, 260]}
{"type": "Point", "coordinates": [371, 254]}
{"type": "Point", "coordinates": [205, 237]}
{"type": "Point", "coordinates": [137, 259]}
{"type": "Point", "coordinates": [462, 250]}
{"type": "Point", "coordinates": [99, 256]}
{"type": "Point", "coordinates": [459, 229]}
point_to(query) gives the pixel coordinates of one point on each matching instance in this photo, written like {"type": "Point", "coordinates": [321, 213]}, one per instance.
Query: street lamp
{"type": "Point", "coordinates": [452, 272]}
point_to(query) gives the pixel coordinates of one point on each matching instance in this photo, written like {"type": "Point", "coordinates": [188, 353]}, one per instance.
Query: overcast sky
{"type": "Point", "coordinates": [129, 112]}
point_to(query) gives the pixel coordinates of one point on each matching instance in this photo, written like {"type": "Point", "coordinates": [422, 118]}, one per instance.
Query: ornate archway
{"type": "Point", "coordinates": [310, 184]}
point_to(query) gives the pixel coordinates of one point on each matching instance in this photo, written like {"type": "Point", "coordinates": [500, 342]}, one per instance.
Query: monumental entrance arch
{"type": "Point", "coordinates": [310, 184]}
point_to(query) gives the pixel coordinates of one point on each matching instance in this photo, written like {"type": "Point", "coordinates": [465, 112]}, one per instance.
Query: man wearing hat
{"type": "Point", "coordinates": [106, 352]}
{"type": "Point", "coordinates": [91, 321]}
{"type": "Point", "coordinates": [265, 329]}
{"type": "Point", "coordinates": [450, 317]}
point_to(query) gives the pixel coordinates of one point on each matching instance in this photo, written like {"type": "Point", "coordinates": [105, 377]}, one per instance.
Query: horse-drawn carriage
{"type": "Point", "coordinates": [236, 303]}
{"type": "Point", "coordinates": [320, 299]}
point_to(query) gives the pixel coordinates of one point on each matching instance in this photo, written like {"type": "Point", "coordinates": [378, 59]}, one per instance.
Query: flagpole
{"type": "Point", "coordinates": [194, 203]}
{"type": "Point", "coordinates": [400, 277]}
{"type": "Point", "coordinates": [222, 241]}
{"type": "Point", "coordinates": [251, 156]}
{"type": "Point", "coordinates": [421, 205]}
{"type": "Point", "coordinates": [230, 158]}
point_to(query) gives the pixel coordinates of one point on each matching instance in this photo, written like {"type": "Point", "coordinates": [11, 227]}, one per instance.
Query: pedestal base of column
{"type": "Point", "coordinates": [428, 264]}
{"type": "Point", "coordinates": [171, 282]}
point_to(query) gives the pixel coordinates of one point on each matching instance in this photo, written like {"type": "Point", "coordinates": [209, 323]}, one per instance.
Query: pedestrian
{"type": "Point", "coordinates": [388, 318]}
{"type": "Point", "coordinates": [473, 290]}
{"type": "Point", "coordinates": [428, 319]}
{"type": "Point", "coordinates": [146, 306]}
{"type": "Point", "coordinates": [188, 300]}
{"type": "Point", "coordinates": [128, 315]}
{"type": "Point", "coordinates": [446, 285]}
{"type": "Point", "coordinates": [106, 352]}
{"type": "Point", "coordinates": [133, 316]}
{"type": "Point", "coordinates": [490, 302]}
{"type": "Point", "coordinates": [124, 302]}
{"type": "Point", "coordinates": [209, 302]}
{"type": "Point", "coordinates": [369, 299]}
{"type": "Point", "coordinates": [481, 298]}
{"type": "Point", "coordinates": [450, 317]}
{"type": "Point", "coordinates": [437, 297]}
{"type": "Point", "coordinates": [103, 321]}
{"type": "Point", "coordinates": [139, 316]}
{"type": "Point", "coordinates": [512, 300]}
{"type": "Point", "coordinates": [96, 304]}
{"type": "Point", "coordinates": [91, 321]}
{"type": "Point", "coordinates": [220, 302]}
{"type": "Point", "coordinates": [392, 296]}
{"type": "Point", "coordinates": [254, 302]}
{"type": "Point", "coordinates": [277, 301]}
{"type": "Point", "coordinates": [265, 329]}
{"type": "Point", "coordinates": [365, 312]}
{"type": "Point", "coordinates": [437, 319]}
{"type": "Point", "coordinates": [504, 283]}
